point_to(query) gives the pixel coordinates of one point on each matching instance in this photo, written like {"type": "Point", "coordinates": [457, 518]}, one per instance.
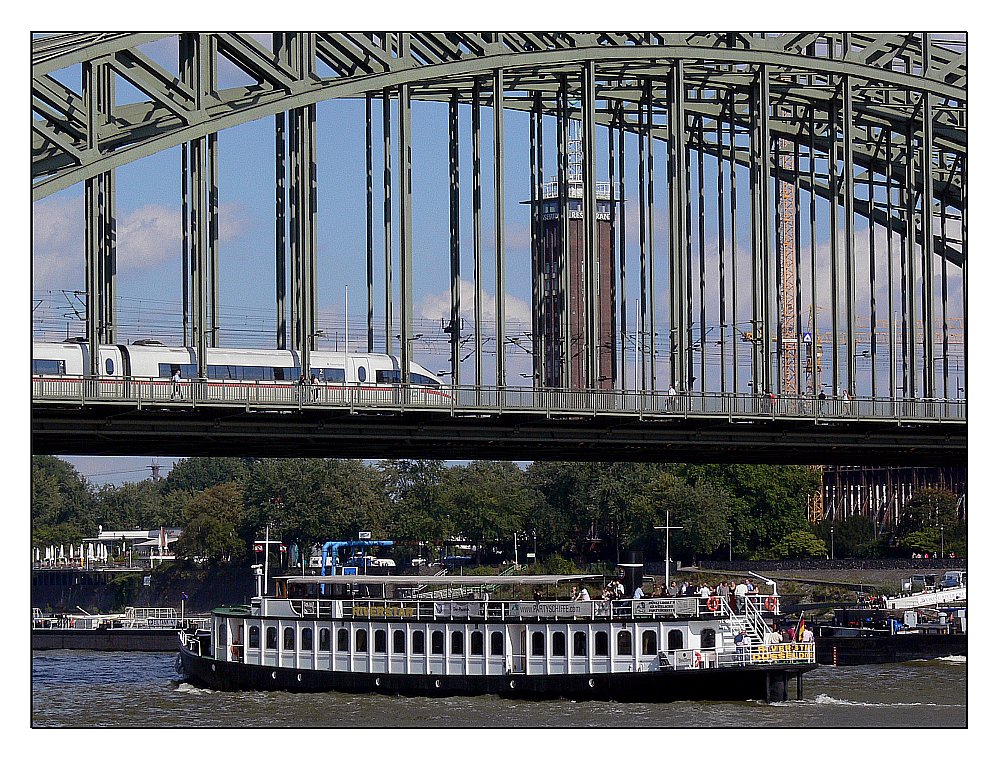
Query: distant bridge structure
{"type": "Point", "coordinates": [787, 213]}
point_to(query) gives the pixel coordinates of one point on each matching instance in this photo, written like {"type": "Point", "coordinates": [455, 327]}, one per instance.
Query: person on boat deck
{"type": "Point", "coordinates": [574, 595]}
{"type": "Point", "coordinates": [538, 595]}
{"type": "Point", "coordinates": [584, 594]}
{"type": "Point", "coordinates": [741, 595]}
{"type": "Point", "coordinates": [807, 634]}
{"type": "Point", "coordinates": [673, 591]}
{"type": "Point", "coordinates": [775, 637]}
{"type": "Point", "coordinates": [704, 592]}
{"type": "Point", "coordinates": [638, 594]}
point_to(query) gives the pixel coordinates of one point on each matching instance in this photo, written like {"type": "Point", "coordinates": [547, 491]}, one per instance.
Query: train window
{"type": "Point", "coordinates": [257, 373]}
{"type": "Point", "coordinates": [307, 639]}
{"type": "Point", "coordinates": [48, 367]}
{"type": "Point", "coordinates": [601, 643]}
{"type": "Point", "coordinates": [332, 375]}
{"type": "Point", "coordinates": [167, 370]}
{"type": "Point", "coordinates": [109, 366]}
{"type": "Point", "coordinates": [418, 643]}
{"type": "Point", "coordinates": [254, 637]}
{"type": "Point", "coordinates": [476, 645]}
{"type": "Point", "coordinates": [624, 643]}
{"type": "Point", "coordinates": [278, 373]}
{"type": "Point", "coordinates": [362, 374]}
{"type": "Point", "coordinates": [399, 641]}
{"type": "Point", "coordinates": [272, 638]}
{"type": "Point", "coordinates": [387, 376]}
{"type": "Point", "coordinates": [649, 642]}
{"type": "Point", "coordinates": [422, 380]}
{"type": "Point", "coordinates": [496, 643]}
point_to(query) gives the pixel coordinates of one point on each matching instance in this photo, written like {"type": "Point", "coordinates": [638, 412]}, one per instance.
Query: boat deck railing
{"type": "Point", "coordinates": [649, 608]}
{"type": "Point", "coordinates": [786, 653]}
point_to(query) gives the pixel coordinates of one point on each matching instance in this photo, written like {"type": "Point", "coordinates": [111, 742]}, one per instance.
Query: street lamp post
{"type": "Point", "coordinates": [831, 542]}
{"type": "Point", "coordinates": [730, 545]}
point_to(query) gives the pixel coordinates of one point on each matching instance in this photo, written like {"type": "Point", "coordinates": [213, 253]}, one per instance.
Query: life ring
{"type": "Point", "coordinates": [713, 603]}
{"type": "Point", "coordinates": [771, 603]}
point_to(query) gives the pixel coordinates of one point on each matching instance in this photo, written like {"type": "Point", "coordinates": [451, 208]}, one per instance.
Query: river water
{"type": "Point", "coordinates": [97, 689]}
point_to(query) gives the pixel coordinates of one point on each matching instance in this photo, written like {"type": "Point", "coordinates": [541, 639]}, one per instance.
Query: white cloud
{"type": "Point", "coordinates": [517, 312]}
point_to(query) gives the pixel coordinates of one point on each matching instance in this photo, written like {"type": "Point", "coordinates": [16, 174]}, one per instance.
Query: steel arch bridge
{"type": "Point", "coordinates": [799, 202]}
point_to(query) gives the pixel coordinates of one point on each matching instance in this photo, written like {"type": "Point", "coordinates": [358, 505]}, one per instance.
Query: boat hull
{"type": "Point", "coordinates": [886, 648]}
{"type": "Point", "coordinates": [767, 683]}
{"type": "Point", "coordinates": [144, 640]}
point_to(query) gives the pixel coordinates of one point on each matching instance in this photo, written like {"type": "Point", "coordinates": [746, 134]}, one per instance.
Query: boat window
{"type": "Point", "coordinates": [381, 641]}
{"type": "Point", "coordinates": [272, 638]}
{"type": "Point", "coordinates": [649, 642]}
{"type": "Point", "coordinates": [307, 639]}
{"type": "Point", "coordinates": [476, 645]}
{"type": "Point", "coordinates": [222, 635]}
{"type": "Point", "coordinates": [538, 643]}
{"type": "Point", "coordinates": [361, 641]}
{"type": "Point", "coordinates": [324, 639]}
{"type": "Point", "coordinates": [601, 643]}
{"type": "Point", "coordinates": [437, 643]}
{"type": "Point", "coordinates": [496, 643]}
{"type": "Point", "coordinates": [580, 643]}
{"type": "Point", "coordinates": [289, 638]}
{"type": "Point", "coordinates": [418, 643]}
{"type": "Point", "coordinates": [624, 642]}
{"type": "Point", "coordinates": [707, 639]}
{"type": "Point", "coordinates": [254, 637]}
{"type": "Point", "coordinates": [675, 639]}
{"type": "Point", "coordinates": [457, 643]}
{"type": "Point", "coordinates": [399, 641]}
{"type": "Point", "coordinates": [342, 641]}
{"type": "Point", "coordinates": [559, 643]}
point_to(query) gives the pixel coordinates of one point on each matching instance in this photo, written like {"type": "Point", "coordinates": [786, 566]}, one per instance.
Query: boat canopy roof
{"type": "Point", "coordinates": [443, 581]}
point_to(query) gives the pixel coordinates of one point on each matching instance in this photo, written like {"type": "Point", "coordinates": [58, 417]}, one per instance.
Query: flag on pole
{"type": "Point", "coordinates": [800, 627]}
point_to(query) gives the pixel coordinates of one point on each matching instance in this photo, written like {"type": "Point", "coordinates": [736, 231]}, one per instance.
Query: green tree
{"type": "Point", "coordinates": [196, 473]}
{"type": "Point", "coordinates": [929, 508]}
{"type": "Point", "coordinates": [702, 508]}
{"type": "Point", "coordinates": [799, 544]}
{"type": "Point", "coordinates": [320, 500]}
{"type": "Point", "coordinates": [61, 502]}
{"type": "Point", "coordinates": [415, 491]}
{"type": "Point", "coordinates": [211, 525]}
{"type": "Point", "coordinates": [488, 501]}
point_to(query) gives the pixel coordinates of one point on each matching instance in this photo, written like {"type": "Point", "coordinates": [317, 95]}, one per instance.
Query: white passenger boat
{"type": "Point", "coordinates": [479, 635]}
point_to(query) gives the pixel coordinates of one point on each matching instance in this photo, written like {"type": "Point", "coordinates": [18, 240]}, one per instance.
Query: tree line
{"type": "Point", "coordinates": [580, 512]}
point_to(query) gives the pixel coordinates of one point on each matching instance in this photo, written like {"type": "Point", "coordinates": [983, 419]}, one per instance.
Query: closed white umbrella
{"type": "Point", "coordinates": [62, 555]}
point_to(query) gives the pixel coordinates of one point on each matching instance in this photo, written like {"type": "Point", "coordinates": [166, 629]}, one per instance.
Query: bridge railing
{"type": "Point", "coordinates": [490, 400]}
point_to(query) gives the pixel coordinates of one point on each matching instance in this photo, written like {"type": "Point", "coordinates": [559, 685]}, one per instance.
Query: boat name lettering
{"type": "Point", "coordinates": [459, 609]}
{"type": "Point", "coordinates": [782, 652]}
{"type": "Point", "coordinates": [385, 611]}
{"type": "Point", "coordinates": [665, 607]}
{"type": "Point", "coordinates": [560, 609]}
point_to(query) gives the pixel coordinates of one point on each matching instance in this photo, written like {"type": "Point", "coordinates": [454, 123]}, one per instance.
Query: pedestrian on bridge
{"type": "Point", "coordinates": [175, 384]}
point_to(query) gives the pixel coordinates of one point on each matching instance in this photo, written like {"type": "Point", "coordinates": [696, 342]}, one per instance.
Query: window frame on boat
{"type": "Point", "coordinates": [538, 644]}
{"type": "Point", "coordinates": [253, 639]}
{"type": "Point", "coordinates": [437, 642]}
{"type": "Point", "coordinates": [648, 642]}
{"type": "Point", "coordinates": [271, 638]}
{"type": "Point", "coordinates": [381, 641]}
{"type": "Point", "coordinates": [343, 641]}
{"type": "Point", "coordinates": [288, 638]}
{"type": "Point", "coordinates": [398, 642]}
{"type": "Point", "coordinates": [558, 645]}
{"type": "Point", "coordinates": [623, 642]}
{"type": "Point", "coordinates": [602, 644]}
{"type": "Point", "coordinates": [418, 643]}
{"type": "Point", "coordinates": [495, 638]}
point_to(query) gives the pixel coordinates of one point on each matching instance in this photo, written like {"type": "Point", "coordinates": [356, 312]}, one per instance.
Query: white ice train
{"type": "Point", "coordinates": [230, 371]}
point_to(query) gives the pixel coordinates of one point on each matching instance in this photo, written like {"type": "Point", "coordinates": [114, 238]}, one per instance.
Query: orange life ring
{"type": "Point", "coordinates": [713, 603]}
{"type": "Point", "coordinates": [771, 603]}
